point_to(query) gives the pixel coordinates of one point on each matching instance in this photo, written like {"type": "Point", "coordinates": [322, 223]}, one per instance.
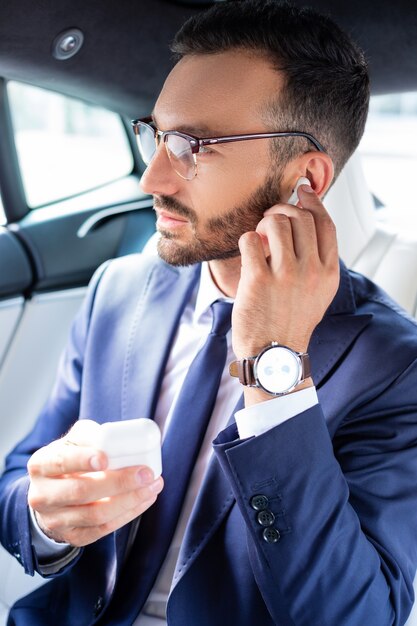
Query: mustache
{"type": "Point", "coordinates": [170, 204]}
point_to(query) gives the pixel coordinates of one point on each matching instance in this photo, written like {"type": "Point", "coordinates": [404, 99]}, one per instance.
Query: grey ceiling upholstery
{"type": "Point", "coordinates": [125, 55]}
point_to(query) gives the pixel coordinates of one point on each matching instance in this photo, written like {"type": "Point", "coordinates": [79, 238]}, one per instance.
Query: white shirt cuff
{"type": "Point", "coordinates": [258, 418]}
{"type": "Point", "coordinates": [45, 547]}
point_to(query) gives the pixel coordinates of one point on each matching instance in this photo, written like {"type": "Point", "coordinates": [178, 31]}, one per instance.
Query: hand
{"type": "Point", "coordinates": [76, 500]}
{"type": "Point", "coordinates": [289, 276]}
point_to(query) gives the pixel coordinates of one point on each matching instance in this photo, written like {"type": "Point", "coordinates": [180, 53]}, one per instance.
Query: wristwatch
{"type": "Point", "coordinates": [276, 369]}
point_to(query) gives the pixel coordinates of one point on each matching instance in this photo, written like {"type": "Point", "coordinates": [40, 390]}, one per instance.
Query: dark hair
{"type": "Point", "coordinates": [327, 85]}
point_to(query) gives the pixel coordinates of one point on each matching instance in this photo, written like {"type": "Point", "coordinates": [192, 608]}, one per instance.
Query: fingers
{"type": "Point", "coordinates": [64, 457]}
{"type": "Point", "coordinates": [81, 525]}
{"type": "Point", "coordinates": [77, 505]}
{"type": "Point", "coordinates": [253, 251]}
{"type": "Point", "coordinates": [313, 231]}
{"type": "Point", "coordinates": [289, 276]}
{"type": "Point", "coordinates": [72, 453]}
{"type": "Point", "coordinates": [80, 537]}
{"type": "Point", "coordinates": [291, 234]}
{"type": "Point", "coordinates": [325, 228]}
{"type": "Point", "coordinates": [48, 493]}
{"type": "Point", "coordinates": [100, 512]}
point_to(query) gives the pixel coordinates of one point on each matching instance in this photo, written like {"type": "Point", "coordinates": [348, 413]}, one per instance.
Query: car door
{"type": "Point", "coordinates": [70, 199]}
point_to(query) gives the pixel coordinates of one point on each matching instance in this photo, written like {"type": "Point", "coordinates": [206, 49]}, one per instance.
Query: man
{"type": "Point", "coordinates": [306, 512]}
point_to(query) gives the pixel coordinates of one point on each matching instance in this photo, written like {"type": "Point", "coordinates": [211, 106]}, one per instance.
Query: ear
{"type": "Point", "coordinates": [316, 166]}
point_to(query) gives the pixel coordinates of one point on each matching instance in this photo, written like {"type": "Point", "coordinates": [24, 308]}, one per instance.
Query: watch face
{"type": "Point", "coordinates": [277, 370]}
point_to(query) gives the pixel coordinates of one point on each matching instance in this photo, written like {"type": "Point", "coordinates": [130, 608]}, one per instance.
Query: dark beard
{"type": "Point", "coordinates": [225, 231]}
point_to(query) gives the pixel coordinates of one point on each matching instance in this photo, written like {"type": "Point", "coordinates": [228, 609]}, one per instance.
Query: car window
{"type": "Point", "coordinates": [389, 155]}
{"type": "Point", "coordinates": [65, 146]}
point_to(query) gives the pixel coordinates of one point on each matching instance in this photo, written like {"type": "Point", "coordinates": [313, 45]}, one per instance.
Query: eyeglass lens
{"type": "Point", "coordinates": [146, 142]}
{"type": "Point", "coordinates": [178, 149]}
{"type": "Point", "coordinates": [181, 156]}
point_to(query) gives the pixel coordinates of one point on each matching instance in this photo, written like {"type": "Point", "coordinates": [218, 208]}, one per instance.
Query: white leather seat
{"type": "Point", "coordinates": [387, 257]}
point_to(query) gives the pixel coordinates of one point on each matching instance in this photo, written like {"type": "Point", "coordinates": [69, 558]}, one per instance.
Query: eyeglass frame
{"type": "Point", "coordinates": [197, 143]}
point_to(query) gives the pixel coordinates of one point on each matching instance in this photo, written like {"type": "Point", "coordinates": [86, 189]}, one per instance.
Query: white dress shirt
{"type": "Point", "coordinates": [195, 325]}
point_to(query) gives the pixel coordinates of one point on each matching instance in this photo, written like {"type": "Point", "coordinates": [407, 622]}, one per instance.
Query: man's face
{"type": "Point", "coordinates": [214, 95]}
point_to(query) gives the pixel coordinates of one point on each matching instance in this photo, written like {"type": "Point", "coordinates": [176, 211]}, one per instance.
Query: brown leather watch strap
{"type": "Point", "coordinates": [306, 365]}
{"type": "Point", "coordinates": [243, 370]}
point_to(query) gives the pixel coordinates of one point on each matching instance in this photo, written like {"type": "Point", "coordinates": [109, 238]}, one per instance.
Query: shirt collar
{"type": "Point", "coordinates": [207, 292]}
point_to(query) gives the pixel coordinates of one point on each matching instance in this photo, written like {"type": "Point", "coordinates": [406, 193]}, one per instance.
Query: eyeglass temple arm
{"type": "Point", "coordinates": [213, 140]}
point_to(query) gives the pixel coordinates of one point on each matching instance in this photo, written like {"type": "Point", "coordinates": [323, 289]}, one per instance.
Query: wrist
{"type": "Point", "coordinates": [255, 347]}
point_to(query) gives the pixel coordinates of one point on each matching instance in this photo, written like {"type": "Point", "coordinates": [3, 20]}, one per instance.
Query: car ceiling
{"type": "Point", "coordinates": [125, 57]}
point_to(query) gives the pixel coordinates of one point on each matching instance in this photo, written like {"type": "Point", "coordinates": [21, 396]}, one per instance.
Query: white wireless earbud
{"type": "Point", "coordinates": [293, 199]}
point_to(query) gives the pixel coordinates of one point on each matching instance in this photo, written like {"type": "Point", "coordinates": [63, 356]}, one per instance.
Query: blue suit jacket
{"type": "Point", "coordinates": [341, 478]}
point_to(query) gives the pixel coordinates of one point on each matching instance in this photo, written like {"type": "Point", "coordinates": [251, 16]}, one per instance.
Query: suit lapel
{"type": "Point", "coordinates": [166, 292]}
{"type": "Point", "coordinates": [160, 305]}
{"type": "Point", "coordinates": [332, 337]}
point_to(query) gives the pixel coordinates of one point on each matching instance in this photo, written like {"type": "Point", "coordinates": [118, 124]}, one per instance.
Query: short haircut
{"type": "Point", "coordinates": [326, 89]}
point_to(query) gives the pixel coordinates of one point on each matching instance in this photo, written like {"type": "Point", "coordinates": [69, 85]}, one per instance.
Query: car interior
{"type": "Point", "coordinates": [84, 70]}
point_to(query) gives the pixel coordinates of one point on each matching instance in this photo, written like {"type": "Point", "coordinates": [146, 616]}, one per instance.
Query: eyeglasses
{"type": "Point", "coordinates": [183, 148]}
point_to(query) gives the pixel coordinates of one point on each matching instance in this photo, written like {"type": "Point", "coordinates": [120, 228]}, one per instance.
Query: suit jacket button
{"type": "Point", "coordinates": [259, 502]}
{"type": "Point", "coordinates": [271, 535]}
{"type": "Point", "coordinates": [98, 606]}
{"type": "Point", "coordinates": [18, 556]}
{"type": "Point", "coordinates": [265, 518]}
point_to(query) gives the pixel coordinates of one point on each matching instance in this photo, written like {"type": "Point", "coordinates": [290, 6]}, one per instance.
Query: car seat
{"type": "Point", "coordinates": [387, 257]}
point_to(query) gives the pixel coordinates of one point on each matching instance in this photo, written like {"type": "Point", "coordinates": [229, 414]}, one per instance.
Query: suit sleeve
{"type": "Point", "coordinates": [341, 547]}
{"type": "Point", "coordinates": [58, 415]}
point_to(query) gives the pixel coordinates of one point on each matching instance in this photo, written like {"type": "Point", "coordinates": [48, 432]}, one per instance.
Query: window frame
{"type": "Point", "coordinates": [11, 183]}
{"type": "Point", "coordinates": [12, 191]}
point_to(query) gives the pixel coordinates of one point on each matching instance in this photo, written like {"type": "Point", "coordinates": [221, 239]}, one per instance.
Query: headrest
{"type": "Point", "coordinates": [352, 209]}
